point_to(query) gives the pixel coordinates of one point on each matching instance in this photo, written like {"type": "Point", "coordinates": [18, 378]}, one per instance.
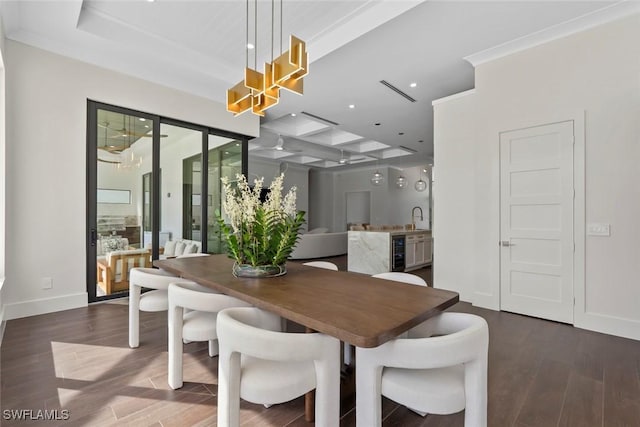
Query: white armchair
{"type": "Point", "coordinates": [397, 276]}
{"type": "Point", "coordinates": [441, 368]}
{"type": "Point", "coordinates": [322, 264]}
{"type": "Point", "coordinates": [199, 324]}
{"type": "Point", "coordinates": [156, 300]}
{"type": "Point", "coordinates": [261, 365]}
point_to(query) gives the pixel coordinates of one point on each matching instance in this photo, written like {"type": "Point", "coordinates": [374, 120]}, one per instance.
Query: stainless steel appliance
{"type": "Point", "coordinates": [398, 244]}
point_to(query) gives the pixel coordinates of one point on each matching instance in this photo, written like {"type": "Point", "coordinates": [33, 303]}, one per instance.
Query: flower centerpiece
{"type": "Point", "coordinates": [258, 235]}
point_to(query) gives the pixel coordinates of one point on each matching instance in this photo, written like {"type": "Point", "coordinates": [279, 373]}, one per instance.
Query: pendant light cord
{"type": "Point", "coordinates": [255, 35]}
{"type": "Point", "coordinates": [246, 44]}
{"type": "Point", "coordinates": [281, 1]}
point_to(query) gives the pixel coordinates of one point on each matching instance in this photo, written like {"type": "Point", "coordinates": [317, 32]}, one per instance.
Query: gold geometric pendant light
{"type": "Point", "coordinates": [260, 91]}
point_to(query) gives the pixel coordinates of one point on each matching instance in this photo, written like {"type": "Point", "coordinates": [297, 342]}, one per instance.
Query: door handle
{"type": "Point", "coordinates": [94, 236]}
{"type": "Point", "coordinates": [506, 243]}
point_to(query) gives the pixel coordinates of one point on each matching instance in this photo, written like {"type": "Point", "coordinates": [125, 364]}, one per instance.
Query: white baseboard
{"type": "Point", "coordinates": [485, 300]}
{"type": "Point", "coordinates": [621, 327]}
{"type": "Point", "coordinates": [44, 305]}
{"type": "Point", "coordinates": [3, 323]}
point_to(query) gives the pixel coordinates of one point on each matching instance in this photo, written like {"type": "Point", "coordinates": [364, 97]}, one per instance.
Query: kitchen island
{"type": "Point", "coordinates": [373, 252]}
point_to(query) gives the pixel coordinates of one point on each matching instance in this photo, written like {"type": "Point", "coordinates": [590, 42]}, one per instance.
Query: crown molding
{"type": "Point", "coordinates": [452, 97]}
{"type": "Point", "coordinates": [593, 19]}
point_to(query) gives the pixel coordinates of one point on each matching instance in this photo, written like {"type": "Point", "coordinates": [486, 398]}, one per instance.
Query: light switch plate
{"type": "Point", "coordinates": [598, 229]}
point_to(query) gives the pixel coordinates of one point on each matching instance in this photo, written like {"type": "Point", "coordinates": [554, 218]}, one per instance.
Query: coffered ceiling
{"type": "Point", "coordinates": [354, 46]}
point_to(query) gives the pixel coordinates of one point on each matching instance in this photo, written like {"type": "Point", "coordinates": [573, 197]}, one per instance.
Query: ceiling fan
{"type": "Point", "coordinates": [113, 146]}
{"type": "Point", "coordinates": [347, 160]}
{"type": "Point", "coordinates": [279, 146]}
{"type": "Point", "coordinates": [126, 133]}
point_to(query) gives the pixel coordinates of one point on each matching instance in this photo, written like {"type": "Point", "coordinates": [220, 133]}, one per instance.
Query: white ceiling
{"type": "Point", "coordinates": [198, 46]}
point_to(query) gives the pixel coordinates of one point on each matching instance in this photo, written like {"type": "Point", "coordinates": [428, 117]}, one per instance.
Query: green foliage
{"type": "Point", "coordinates": [268, 240]}
{"type": "Point", "coordinates": [263, 233]}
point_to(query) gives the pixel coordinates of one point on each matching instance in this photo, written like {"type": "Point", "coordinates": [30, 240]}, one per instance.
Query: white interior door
{"type": "Point", "coordinates": [536, 215]}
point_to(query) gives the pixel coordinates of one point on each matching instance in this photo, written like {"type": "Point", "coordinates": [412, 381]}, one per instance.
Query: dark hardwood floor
{"type": "Point", "coordinates": [541, 373]}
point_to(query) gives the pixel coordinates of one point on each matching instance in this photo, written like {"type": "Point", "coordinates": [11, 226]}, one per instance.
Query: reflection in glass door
{"type": "Point", "coordinates": [123, 153]}
{"type": "Point", "coordinates": [225, 160]}
{"type": "Point", "coordinates": [150, 182]}
{"type": "Point", "coordinates": [192, 198]}
{"type": "Point", "coordinates": [181, 183]}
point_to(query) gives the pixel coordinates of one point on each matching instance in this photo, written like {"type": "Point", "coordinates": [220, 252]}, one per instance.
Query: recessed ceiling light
{"type": "Point", "coordinates": [226, 152]}
{"type": "Point", "coordinates": [414, 84]}
{"type": "Point", "coordinates": [237, 144]}
{"type": "Point", "coordinates": [142, 119]}
{"type": "Point", "coordinates": [293, 114]}
{"type": "Point", "coordinates": [352, 106]}
{"type": "Point", "coordinates": [250, 46]}
{"type": "Point", "coordinates": [147, 126]}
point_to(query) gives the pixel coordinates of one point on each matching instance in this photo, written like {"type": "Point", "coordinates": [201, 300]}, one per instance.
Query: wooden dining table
{"type": "Point", "coordinates": [353, 307]}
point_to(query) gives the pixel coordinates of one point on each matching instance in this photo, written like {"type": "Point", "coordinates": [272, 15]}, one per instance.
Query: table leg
{"type": "Point", "coordinates": [310, 406]}
{"type": "Point", "coordinates": [310, 397]}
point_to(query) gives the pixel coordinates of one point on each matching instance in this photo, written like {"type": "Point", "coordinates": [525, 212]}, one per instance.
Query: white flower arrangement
{"type": "Point", "coordinates": [259, 233]}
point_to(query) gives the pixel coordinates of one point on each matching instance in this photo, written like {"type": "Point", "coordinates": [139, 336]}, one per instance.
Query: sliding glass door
{"type": "Point", "coordinates": [151, 181]}
{"type": "Point", "coordinates": [181, 182]}
{"type": "Point", "coordinates": [123, 146]}
{"type": "Point", "coordinates": [224, 160]}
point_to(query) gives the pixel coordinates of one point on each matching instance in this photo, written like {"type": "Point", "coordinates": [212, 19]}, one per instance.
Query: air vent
{"type": "Point", "coordinates": [396, 90]}
{"type": "Point", "coordinates": [313, 116]}
{"type": "Point", "coordinates": [408, 149]}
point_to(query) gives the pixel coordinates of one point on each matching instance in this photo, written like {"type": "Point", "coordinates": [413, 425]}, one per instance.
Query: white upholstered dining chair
{"type": "Point", "coordinates": [322, 264]}
{"type": "Point", "coordinates": [199, 324]}
{"type": "Point", "coordinates": [155, 300]}
{"type": "Point", "coordinates": [347, 348]}
{"type": "Point", "coordinates": [195, 255]}
{"type": "Point", "coordinates": [262, 365]}
{"type": "Point", "coordinates": [440, 368]}
{"type": "Point", "coordinates": [397, 276]}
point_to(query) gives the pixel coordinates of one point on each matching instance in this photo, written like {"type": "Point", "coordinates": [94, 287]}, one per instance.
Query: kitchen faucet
{"type": "Point", "coordinates": [413, 221]}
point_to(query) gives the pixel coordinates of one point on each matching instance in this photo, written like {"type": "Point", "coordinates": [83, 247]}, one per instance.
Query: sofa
{"type": "Point", "coordinates": [319, 244]}
{"type": "Point", "coordinates": [178, 247]}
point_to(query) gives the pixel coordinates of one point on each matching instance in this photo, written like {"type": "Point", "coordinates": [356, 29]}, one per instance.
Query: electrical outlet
{"type": "Point", "coordinates": [47, 283]}
{"type": "Point", "coordinates": [596, 229]}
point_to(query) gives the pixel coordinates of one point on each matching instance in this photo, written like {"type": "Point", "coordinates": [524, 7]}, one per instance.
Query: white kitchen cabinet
{"type": "Point", "coordinates": [410, 259]}
{"type": "Point", "coordinates": [418, 251]}
{"type": "Point", "coordinates": [428, 250]}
